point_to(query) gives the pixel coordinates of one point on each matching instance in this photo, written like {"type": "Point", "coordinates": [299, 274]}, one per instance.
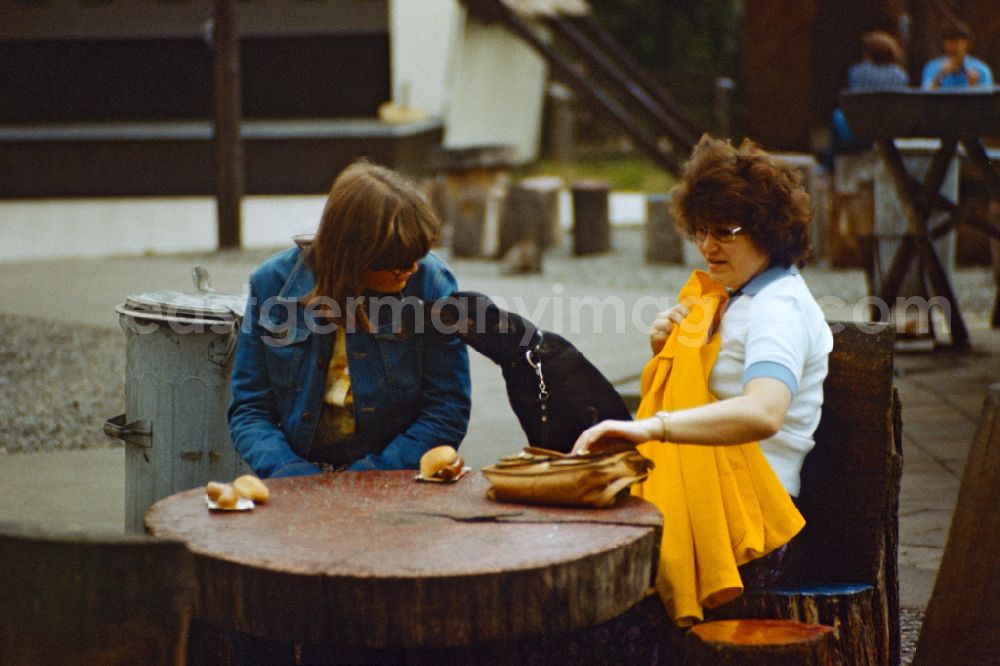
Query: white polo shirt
{"type": "Point", "coordinates": [773, 327]}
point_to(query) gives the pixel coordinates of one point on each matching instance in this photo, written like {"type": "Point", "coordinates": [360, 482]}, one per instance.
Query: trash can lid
{"type": "Point", "coordinates": [224, 307]}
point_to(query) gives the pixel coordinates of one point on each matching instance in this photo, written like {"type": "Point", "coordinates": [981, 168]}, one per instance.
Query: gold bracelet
{"type": "Point", "coordinates": [665, 420]}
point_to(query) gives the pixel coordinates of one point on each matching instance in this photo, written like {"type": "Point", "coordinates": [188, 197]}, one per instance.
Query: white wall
{"type": "Point", "coordinates": [422, 35]}
{"type": "Point", "coordinates": [44, 228]}
{"type": "Point", "coordinates": [497, 91]}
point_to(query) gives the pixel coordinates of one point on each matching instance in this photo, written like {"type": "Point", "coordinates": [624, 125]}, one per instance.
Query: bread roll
{"type": "Point", "coordinates": [228, 498]}
{"type": "Point", "coordinates": [442, 462]}
{"type": "Point", "coordinates": [251, 487]}
{"type": "Point", "coordinates": [214, 489]}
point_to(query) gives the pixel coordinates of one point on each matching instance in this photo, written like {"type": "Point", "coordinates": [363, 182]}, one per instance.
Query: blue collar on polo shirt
{"type": "Point", "coordinates": [762, 279]}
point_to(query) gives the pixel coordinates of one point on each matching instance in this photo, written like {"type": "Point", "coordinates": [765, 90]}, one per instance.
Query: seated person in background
{"type": "Point", "coordinates": [880, 68]}
{"type": "Point", "coordinates": [956, 68]}
{"type": "Point", "coordinates": [881, 65]}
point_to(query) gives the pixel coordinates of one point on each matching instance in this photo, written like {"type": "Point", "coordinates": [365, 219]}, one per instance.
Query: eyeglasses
{"type": "Point", "coordinates": [398, 273]}
{"type": "Point", "coordinates": [718, 234]}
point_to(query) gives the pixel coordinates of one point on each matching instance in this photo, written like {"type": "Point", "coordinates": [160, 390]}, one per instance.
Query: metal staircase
{"type": "Point", "coordinates": [621, 89]}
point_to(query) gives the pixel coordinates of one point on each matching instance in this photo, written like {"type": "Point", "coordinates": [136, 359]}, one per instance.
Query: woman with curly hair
{"type": "Point", "coordinates": [737, 370]}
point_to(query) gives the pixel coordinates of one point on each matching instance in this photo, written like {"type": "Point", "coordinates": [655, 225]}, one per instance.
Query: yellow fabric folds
{"type": "Point", "coordinates": [722, 505]}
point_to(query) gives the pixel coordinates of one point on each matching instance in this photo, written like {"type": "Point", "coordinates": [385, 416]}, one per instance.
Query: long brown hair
{"type": "Point", "coordinates": [374, 219]}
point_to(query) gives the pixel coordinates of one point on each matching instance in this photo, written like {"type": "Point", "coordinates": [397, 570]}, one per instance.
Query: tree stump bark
{"type": "Point", "coordinates": [466, 209]}
{"type": "Point", "coordinates": [759, 642]}
{"type": "Point", "coordinates": [471, 175]}
{"type": "Point", "coordinates": [664, 244]}
{"type": "Point", "coordinates": [531, 213]}
{"type": "Point", "coordinates": [381, 561]}
{"type": "Point", "coordinates": [82, 599]}
{"type": "Point", "coordinates": [960, 625]}
{"type": "Point", "coordinates": [847, 608]}
{"type": "Point", "coordinates": [591, 219]}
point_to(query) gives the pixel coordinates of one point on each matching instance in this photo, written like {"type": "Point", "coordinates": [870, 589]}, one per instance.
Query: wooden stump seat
{"type": "Point", "coordinates": [841, 570]}
{"type": "Point", "coordinates": [763, 642]}
{"type": "Point", "coordinates": [74, 598]}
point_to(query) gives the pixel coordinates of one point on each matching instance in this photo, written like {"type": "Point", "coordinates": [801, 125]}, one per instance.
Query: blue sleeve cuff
{"type": "Point", "coordinates": [366, 464]}
{"type": "Point", "coordinates": [298, 468]}
{"type": "Point", "coordinates": [773, 370]}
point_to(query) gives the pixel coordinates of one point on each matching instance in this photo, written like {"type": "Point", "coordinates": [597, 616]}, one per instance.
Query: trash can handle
{"type": "Point", "coordinates": [220, 351]}
{"type": "Point", "coordinates": [139, 433]}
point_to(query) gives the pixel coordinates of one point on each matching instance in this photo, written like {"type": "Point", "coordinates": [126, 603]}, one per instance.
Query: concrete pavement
{"type": "Point", "coordinates": [942, 392]}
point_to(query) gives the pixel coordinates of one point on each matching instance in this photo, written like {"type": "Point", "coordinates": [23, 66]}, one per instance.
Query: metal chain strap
{"type": "Point", "coordinates": [543, 393]}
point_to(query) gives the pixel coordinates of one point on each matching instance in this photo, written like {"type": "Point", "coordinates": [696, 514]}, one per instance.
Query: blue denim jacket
{"type": "Point", "coordinates": [411, 390]}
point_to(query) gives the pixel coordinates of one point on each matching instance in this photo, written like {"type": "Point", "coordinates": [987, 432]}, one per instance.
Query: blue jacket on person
{"type": "Point", "coordinates": [411, 389]}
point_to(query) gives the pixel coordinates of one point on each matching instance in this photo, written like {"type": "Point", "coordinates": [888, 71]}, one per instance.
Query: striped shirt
{"type": "Point", "coordinates": [869, 75]}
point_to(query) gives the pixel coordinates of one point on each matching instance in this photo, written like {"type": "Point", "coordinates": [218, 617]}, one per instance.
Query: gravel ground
{"type": "Point", "coordinates": [61, 383]}
{"type": "Point", "coordinates": [910, 620]}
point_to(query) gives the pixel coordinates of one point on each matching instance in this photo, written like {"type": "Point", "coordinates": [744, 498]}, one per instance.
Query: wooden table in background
{"type": "Point", "coordinates": [379, 560]}
{"type": "Point", "coordinates": [955, 116]}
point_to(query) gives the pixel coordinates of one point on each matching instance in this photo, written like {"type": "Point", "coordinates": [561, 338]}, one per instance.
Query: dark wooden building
{"type": "Point", "coordinates": [115, 97]}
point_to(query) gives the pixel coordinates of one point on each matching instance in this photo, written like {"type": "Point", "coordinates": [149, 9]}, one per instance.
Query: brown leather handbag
{"type": "Point", "coordinates": [540, 476]}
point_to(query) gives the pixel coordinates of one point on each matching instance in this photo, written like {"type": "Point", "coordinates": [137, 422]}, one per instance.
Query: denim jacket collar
{"type": "Point", "coordinates": [300, 281]}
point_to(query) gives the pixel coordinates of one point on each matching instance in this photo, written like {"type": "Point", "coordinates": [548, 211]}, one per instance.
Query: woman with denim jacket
{"type": "Point", "coordinates": [333, 369]}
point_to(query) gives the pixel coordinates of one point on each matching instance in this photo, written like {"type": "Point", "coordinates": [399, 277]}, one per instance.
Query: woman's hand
{"type": "Point", "coordinates": [639, 431]}
{"type": "Point", "coordinates": [663, 324]}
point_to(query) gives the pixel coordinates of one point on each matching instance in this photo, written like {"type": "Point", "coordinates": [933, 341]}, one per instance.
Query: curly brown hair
{"type": "Point", "coordinates": [724, 185]}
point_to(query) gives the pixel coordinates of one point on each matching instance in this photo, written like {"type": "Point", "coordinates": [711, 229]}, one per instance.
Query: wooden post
{"type": "Point", "coordinates": [591, 221]}
{"type": "Point", "coordinates": [960, 625]}
{"type": "Point", "coordinates": [918, 47]}
{"type": "Point", "coordinates": [760, 642]}
{"type": "Point", "coordinates": [664, 244]}
{"type": "Point", "coordinates": [723, 109]}
{"type": "Point", "coordinates": [562, 130]}
{"type": "Point", "coordinates": [228, 144]}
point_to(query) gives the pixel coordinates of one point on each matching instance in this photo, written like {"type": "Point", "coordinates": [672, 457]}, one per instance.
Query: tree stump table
{"type": "Point", "coordinates": [379, 560]}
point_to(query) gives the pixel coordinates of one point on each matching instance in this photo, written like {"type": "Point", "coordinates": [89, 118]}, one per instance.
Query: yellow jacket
{"type": "Point", "coordinates": [722, 505]}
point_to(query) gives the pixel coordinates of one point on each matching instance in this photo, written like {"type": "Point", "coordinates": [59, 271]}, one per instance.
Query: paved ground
{"type": "Point", "coordinates": [942, 392]}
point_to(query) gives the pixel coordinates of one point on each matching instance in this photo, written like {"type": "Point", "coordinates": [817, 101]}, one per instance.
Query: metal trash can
{"type": "Point", "coordinates": [179, 359]}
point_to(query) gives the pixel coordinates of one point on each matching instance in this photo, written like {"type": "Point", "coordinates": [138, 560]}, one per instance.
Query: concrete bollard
{"type": "Point", "coordinates": [664, 244]}
{"type": "Point", "coordinates": [591, 218]}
